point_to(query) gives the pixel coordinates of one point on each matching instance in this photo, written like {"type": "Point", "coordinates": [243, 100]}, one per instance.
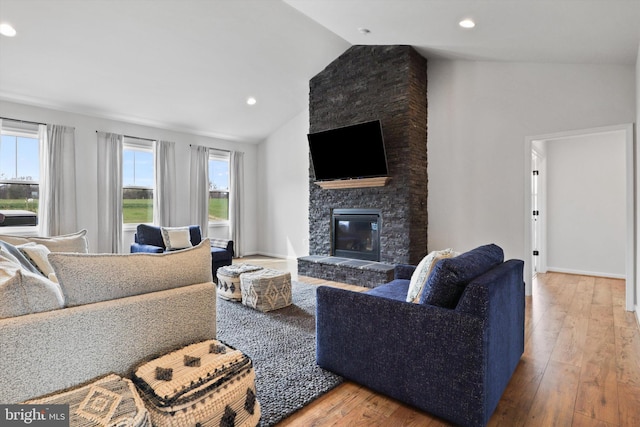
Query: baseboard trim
{"type": "Point", "coordinates": [586, 273]}
{"type": "Point", "coordinates": [274, 255]}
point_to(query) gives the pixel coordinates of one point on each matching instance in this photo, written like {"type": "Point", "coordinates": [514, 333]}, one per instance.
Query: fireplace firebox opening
{"type": "Point", "coordinates": [355, 233]}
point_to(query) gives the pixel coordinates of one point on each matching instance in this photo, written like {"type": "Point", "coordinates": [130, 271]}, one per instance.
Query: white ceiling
{"type": "Point", "coordinates": [570, 31]}
{"type": "Point", "coordinates": [190, 65]}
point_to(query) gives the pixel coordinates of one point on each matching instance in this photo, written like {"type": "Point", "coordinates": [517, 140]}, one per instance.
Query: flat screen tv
{"type": "Point", "coordinates": [349, 152]}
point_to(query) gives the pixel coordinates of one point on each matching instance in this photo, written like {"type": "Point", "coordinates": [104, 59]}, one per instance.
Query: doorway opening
{"type": "Point", "coordinates": [536, 220]}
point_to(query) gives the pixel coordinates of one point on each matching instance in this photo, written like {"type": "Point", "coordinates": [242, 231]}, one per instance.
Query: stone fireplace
{"type": "Point", "coordinates": [386, 83]}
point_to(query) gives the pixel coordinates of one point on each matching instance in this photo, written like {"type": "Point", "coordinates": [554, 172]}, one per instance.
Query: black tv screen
{"type": "Point", "coordinates": [348, 152]}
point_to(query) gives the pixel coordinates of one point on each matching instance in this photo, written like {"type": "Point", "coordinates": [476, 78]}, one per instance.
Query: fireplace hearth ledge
{"type": "Point", "coordinates": [369, 274]}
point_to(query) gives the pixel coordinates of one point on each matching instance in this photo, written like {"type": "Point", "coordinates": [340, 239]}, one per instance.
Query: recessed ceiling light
{"type": "Point", "coordinates": [7, 30]}
{"type": "Point", "coordinates": [251, 101]}
{"type": "Point", "coordinates": [467, 23]}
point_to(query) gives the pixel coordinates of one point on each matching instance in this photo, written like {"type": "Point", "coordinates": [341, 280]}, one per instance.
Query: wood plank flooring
{"type": "Point", "coordinates": [581, 365]}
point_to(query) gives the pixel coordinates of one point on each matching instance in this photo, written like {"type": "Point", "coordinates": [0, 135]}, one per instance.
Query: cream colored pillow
{"type": "Point", "coordinates": [422, 271]}
{"type": "Point", "coordinates": [74, 242]}
{"type": "Point", "coordinates": [176, 237]}
{"type": "Point", "coordinates": [37, 255]}
{"type": "Point", "coordinates": [23, 292]}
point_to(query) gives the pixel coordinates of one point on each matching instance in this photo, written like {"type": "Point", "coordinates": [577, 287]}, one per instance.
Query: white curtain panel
{"type": "Point", "coordinates": [199, 176]}
{"type": "Point", "coordinates": [236, 189]}
{"type": "Point", "coordinates": [164, 197]}
{"type": "Point", "coordinates": [57, 204]}
{"type": "Point", "coordinates": [109, 192]}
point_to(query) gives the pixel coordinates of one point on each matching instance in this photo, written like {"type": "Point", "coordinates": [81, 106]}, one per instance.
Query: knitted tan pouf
{"type": "Point", "coordinates": [266, 289]}
{"type": "Point", "coordinates": [207, 384]}
{"type": "Point", "coordinates": [229, 280]}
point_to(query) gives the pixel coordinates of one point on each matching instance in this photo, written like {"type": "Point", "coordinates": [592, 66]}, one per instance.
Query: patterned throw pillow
{"type": "Point", "coordinates": [219, 243]}
{"type": "Point", "coordinates": [421, 274]}
{"type": "Point", "coordinates": [176, 238]}
{"type": "Point", "coordinates": [107, 401]}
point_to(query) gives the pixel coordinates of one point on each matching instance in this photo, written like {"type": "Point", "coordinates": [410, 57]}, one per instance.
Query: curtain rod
{"type": "Point", "coordinates": [137, 137]}
{"type": "Point", "coordinates": [22, 121]}
{"type": "Point", "coordinates": [132, 137]}
{"type": "Point", "coordinates": [212, 148]}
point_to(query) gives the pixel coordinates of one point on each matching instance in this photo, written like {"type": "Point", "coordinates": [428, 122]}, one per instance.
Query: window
{"type": "Point", "coordinates": [19, 171]}
{"type": "Point", "coordinates": [218, 186]}
{"type": "Point", "coordinates": [137, 181]}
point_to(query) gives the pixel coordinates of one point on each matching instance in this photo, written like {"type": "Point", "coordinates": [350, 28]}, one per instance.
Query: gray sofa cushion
{"type": "Point", "coordinates": [89, 278]}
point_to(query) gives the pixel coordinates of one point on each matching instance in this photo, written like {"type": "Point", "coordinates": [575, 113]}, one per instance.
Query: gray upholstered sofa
{"type": "Point", "coordinates": [118, 310]}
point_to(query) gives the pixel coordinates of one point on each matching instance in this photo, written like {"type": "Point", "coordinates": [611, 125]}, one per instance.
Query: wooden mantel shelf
{"type": "Point", "coordinates": [354, 183]}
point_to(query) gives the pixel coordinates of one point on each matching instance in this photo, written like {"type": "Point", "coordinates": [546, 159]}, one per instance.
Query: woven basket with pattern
{"type": "Point", "coordinates": [208, 383]}
{"type": "Point", "coordinates": [229, 280]}
{"type": "Point", "coordinates": [266, 289]}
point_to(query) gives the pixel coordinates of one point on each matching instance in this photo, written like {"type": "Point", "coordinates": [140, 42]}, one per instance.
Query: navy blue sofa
{"type": "Point", "coordinates": [148, 238]}
{"type": "Point", "coordinates": [453, 360]}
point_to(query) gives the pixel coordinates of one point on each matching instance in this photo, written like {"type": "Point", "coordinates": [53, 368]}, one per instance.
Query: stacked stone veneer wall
{"type": "Point", "coordinates": [386, 83]}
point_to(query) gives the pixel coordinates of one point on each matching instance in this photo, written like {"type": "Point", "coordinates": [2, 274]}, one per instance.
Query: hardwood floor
{"type": "Point", "coordinates": [581, 365]}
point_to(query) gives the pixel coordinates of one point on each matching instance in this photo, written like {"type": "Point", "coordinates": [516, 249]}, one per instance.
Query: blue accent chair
{"type": "Point", "coordinates": [453, 361]}
{"type": "Point", "coordinates": [148, 238]}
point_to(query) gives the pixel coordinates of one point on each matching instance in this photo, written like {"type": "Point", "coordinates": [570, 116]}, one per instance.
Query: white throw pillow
{"type": "Point", "coordinates": [74, 242]}
{"type": "Point", "coordinates": [37, 255]}
{"type": "Point", "coordinates": [422, 271]}
{"type": "Point", "coordinates": [176, 237]}
{"type": "Point", "coordinates": [89, 278]}
{"type": "Point", "coordinates": [23, 292]}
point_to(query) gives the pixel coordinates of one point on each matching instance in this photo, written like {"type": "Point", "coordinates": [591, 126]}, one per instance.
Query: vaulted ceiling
{"type": "Point", "coordinates": [190, 65]}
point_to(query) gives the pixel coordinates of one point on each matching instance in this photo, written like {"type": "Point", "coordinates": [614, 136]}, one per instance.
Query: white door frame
{"type": "Point", "coordinates": [630, 204]}
{"type": "Point", "coordinates": [542, 207]}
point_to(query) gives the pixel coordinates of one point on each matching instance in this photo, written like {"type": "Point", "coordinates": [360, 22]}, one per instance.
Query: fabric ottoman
{"type": "Point", "coordinates": [203, 384]}
{"type": "Point", "coordinates": [266, 289]}
{"type": "Point", "coordinates": [109, 401]}
{"type": "Point", "coordinates": [229, 280]}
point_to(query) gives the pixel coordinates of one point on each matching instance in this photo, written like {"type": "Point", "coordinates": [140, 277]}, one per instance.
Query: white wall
{"type": "Point", "coordinates": [283, 176]}
{"type": "Point", "coordinates": [86, 165]}
{"type": "Point", "coordinates": [586, 204]}
{"type": "Point", "coordinates": [479, 116]}
{"type": "Point", "coordinates": [637, 142]}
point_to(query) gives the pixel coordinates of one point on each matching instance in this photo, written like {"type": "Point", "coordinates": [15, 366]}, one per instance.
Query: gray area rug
{"type": "Point", "coordinates": [281, 344]}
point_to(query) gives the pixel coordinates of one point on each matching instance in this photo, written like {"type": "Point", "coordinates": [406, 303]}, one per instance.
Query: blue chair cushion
{"type": "Point", "coordinates": [149, 235]}
{"type": "Point", "coordinates": [450, 276]}
{"type": "Point", "coordinates": [396, 289]}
